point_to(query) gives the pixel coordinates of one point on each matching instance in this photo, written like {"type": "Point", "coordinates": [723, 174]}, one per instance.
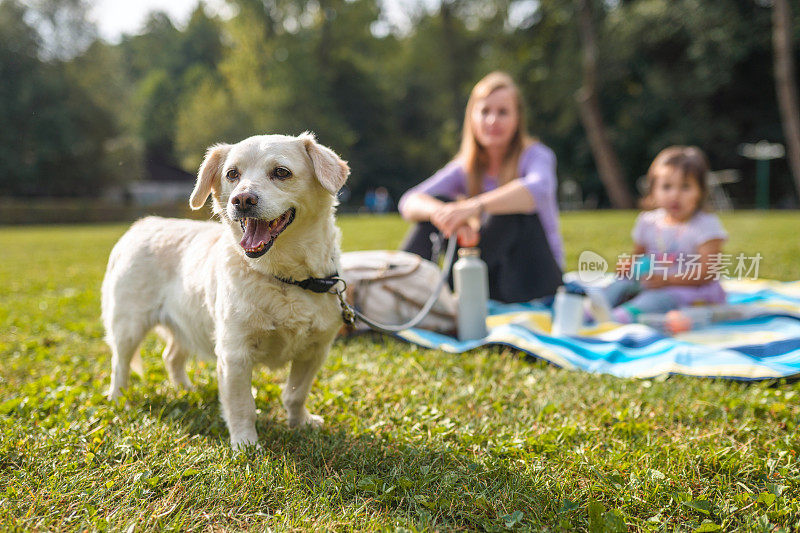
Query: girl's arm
{"type": "Point", "coordinates": [708, 253]}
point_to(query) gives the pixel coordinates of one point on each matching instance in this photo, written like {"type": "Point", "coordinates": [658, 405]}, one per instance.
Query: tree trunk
{"type": "Point", "coordinates": [785, 84]}
{"type": "Point", "coordinates": [605, 158]}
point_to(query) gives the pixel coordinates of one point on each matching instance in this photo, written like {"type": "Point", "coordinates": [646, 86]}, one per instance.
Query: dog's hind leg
{"type": "Point", "coordinates": [295, 391]}
{"type": "Point", "coordinates": [174, 357]}
{"type": "Point", "coordinates": [124, 343]}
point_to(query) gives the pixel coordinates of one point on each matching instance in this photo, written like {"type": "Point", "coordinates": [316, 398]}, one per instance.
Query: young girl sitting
{"type": "Point", "coordinates": [677, 245]}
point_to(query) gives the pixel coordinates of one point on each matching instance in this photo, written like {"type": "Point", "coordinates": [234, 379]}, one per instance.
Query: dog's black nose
{"type": "Point", "coordinates": [244, 200]}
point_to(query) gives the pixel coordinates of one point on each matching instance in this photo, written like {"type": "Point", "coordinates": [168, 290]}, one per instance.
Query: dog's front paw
{"type": "Point", "coordinates": [241, 442]}
{"type": "Point", "coordinates": [307, 420]}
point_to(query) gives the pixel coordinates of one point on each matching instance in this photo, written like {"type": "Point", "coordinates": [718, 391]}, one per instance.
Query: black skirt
{"type": "Point", "coordinates": [515, 249]}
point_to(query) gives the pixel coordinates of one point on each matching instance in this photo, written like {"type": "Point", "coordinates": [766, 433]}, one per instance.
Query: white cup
{"type": "Point", "coordinates": [567, 313]}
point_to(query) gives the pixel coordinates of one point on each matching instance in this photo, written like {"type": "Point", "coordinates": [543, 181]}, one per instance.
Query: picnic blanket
{"type": "Point", "coordinates": [765, 346]}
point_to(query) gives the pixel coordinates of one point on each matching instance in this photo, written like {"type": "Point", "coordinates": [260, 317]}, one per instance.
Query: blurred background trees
{"type": "Point", "coordinates": [80, 114]}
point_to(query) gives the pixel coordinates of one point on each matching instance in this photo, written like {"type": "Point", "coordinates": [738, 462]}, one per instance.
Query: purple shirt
{"type": "Point", "coordinates": [674, 245]}
{"type": "Point", "coordinates": [537, 171]}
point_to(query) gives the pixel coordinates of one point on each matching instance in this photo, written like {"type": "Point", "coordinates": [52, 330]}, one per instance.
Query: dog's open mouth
{"type": "Point", "coordinates": [260, 234]}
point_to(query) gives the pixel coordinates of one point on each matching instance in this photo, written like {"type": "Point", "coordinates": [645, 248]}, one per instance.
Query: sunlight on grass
{"type": "Point", "coordinates": [414, 438]}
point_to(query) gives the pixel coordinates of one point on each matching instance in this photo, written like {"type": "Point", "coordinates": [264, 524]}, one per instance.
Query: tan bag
{"type": "Point", "coordinates": [390, 287]}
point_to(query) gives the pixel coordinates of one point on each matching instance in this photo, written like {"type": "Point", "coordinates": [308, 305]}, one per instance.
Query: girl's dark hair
{"type": "Point", "coordinates": [690, 161]}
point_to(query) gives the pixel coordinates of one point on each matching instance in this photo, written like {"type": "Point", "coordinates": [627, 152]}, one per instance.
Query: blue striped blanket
{"type": "Point", "coordinates": [761, 347]}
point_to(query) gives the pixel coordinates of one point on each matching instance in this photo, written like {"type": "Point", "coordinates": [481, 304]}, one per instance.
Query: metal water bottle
{"type": "Point", "coordinates": [471, 283]}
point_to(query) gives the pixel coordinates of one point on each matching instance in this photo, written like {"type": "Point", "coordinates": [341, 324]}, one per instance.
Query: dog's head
{"type": "Point", "coordinates": [264, 183]}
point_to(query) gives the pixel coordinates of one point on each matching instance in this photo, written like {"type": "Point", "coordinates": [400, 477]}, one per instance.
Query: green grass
{"type": "Point", "coordinates": [414, 439]}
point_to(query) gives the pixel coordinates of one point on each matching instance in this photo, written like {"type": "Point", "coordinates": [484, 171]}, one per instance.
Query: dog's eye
{"type": "Point", "coordinates": [232, 174]}
{"type": "Point", "coordinates": [281, 173]}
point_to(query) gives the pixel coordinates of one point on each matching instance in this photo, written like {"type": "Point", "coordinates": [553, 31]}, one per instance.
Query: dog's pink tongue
{"type": "Point", "coordinates": [255, 232]}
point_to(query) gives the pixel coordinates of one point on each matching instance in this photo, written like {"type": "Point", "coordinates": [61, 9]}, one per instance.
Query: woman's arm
{"type": "Point", "coordinates": [419, 207]}
{"type": "Point", "coordinates": [709, 254]}
{"type": "Point", "coordinates": [536, 185]}
{"type": "Point", "coordinates": [420, 202]}
{"type": "Point", "coordinates": [513, 197]}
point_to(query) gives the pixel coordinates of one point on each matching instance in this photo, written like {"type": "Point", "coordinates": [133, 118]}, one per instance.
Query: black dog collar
{"type": "Point", "coordinates": [321, 285]}
{"type": "Point", "coordinates": [318, 285]}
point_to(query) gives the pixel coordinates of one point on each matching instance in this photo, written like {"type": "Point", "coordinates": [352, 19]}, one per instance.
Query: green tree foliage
{"type": "Point", "coordinates": [389, 99]}
{"type": "Point", "coordinates": [64, 26]}
{"type": "Point", "coordinates": [701, 74]}
{"type": "Point", "coordinates": [318, 69]}
{"type": "Point", "coordinates": [166, 65]}
{"type": "Point", "coordinates": [20, 70]}
{"type": "Point", "coordinates": [52, 142]}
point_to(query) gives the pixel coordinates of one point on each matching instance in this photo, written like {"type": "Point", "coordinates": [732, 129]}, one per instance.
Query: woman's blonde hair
{"type": "Point", "coordinates": [690, 161]}
{"type": "Point", "coordinates": [472, 155]}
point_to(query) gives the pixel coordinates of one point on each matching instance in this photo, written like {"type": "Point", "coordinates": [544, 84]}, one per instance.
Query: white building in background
{"type": "Point", "coordinates": [163, 184]}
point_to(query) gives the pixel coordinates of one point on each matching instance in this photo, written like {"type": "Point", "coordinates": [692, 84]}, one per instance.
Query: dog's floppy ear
{"type": "Point", "coordinates": [331, 171]}
{"type": "Point", "coordinates": [209, 175]}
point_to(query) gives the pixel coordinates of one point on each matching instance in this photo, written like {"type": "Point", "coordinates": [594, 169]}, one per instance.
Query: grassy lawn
{"type": "Point", "coordinates": [414, 439]}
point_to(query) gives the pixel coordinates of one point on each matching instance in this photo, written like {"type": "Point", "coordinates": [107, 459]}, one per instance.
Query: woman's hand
{"type": "Point", "coordinates": [468, 236]}
{"type": "Point", "coordinates": [455, 215]}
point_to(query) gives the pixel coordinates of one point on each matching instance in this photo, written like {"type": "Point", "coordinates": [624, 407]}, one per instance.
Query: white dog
{"type": "Point", "coordinates": [225, 289]}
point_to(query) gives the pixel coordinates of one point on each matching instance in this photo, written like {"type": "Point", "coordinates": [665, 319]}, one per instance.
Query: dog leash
{"type": "Point", "coordinates": [333, 284]}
